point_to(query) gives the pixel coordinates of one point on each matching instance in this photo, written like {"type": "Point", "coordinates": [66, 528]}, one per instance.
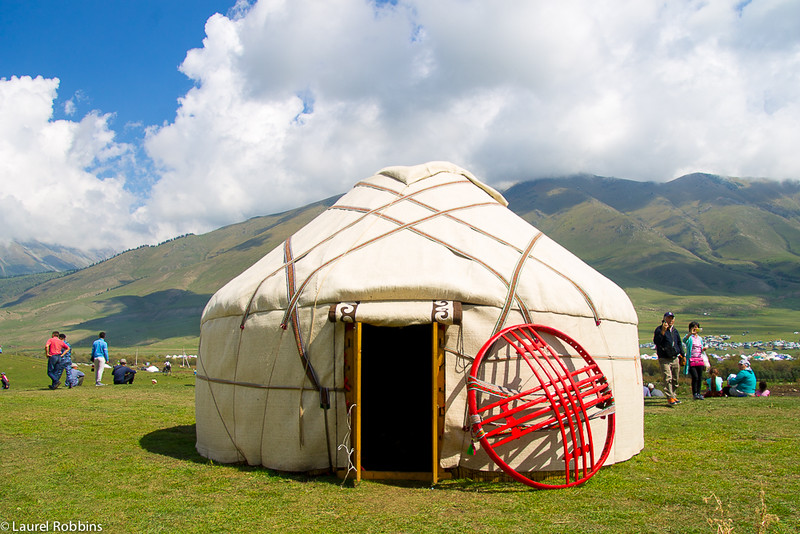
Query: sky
{"type": "Point", "coordinates": [127, 123]}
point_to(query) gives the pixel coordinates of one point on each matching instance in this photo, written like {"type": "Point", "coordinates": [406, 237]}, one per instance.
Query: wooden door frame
{"type": "Point", "coordinates": [352, 364]}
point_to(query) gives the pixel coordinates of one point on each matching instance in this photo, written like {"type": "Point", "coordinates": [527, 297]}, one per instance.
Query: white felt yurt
{"type": "Point", "coordinates": [348, 347]}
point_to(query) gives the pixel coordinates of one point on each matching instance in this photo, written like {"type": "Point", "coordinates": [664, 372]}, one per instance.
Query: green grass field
{"type": "Point", "coordinates": [123, 457]}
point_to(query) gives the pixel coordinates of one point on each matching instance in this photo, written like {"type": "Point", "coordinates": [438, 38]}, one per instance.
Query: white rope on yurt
{"type": "Point", "coordinates": [526, 254]}
{"type": "Point", "coordinates": [273, 358]}
{"type": "Point", "coordinates": [402, 226]}
{"type": "Point", "coordinates": [342, 229]}
{"type": "Point", "coordinates": [513, 284]}
{"type": "Point", "coordinates": [348, 450]}
{"type": "Point", "coordinates": [216, 404]}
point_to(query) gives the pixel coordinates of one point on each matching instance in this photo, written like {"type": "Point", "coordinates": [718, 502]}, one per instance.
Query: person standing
{"type": "Point", "coordinates": [54, 349]}
{"type": "Point", "coordinates": [697, 361]}
{"type": "Point", "coordinates": [66, 361]}
{"type": "Point", "coordinates": [99, 357]}
{"type": "Point", "coordinates": [670, 355]}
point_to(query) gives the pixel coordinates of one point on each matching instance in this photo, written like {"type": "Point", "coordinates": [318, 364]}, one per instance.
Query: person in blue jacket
{"type": "Point", "coordinates": [744, 383]}
{"type": "Point", "coordinates": [99, 357]}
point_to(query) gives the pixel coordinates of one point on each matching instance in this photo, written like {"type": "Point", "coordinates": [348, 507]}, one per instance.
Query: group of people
{"type": "Point", "coordinates": [689, 353]}
{"type": "Point", "coordinates": [59, 360]}
{"type": "Point", "coordinates": [738, 383]}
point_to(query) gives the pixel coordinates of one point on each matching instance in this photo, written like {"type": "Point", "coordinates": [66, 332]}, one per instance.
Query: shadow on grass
{"type": "Point", "coordinates": [176, 442]}
{"type": "Point", "coordinates": [656, 401]}
{"type": "Point", "coordinates": [467, 485]}
{"type": "Point", "coordinates": [179, 442]}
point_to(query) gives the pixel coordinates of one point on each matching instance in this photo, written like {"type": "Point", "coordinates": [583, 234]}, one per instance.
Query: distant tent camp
{"type": "Point", "coordinates": [354, 347]}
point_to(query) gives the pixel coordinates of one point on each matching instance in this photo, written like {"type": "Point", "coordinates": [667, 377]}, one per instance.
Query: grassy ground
{"type": "Point", "coordinates": [123, 457]}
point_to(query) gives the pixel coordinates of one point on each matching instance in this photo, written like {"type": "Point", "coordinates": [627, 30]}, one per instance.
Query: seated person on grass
{"type": "Point", "coordinates": [743, 384]}
{"type": "Point", "coordinates": [714, 384]}
{"type": "Point", "coordinates": [122, 373]}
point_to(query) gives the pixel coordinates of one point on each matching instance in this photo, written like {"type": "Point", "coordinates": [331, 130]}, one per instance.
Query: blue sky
{"type": "Point", "coordinates": [138, 121]}
{"type": "Point", "coordinates": [116, 56]}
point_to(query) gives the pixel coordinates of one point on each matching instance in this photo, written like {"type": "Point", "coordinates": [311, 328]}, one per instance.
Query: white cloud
{"type": "Point", "coordinates": [511, 90]}
{"type": "Point", "coordinates": [49, 169]}
{"type": "Point", "coordinates": [70, 107]}
{"type": "Point", "coordinates": [296, 100]}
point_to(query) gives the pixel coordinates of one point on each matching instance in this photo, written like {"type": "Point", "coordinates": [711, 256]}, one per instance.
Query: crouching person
{"type": "Point", "coordinates": [76, 377]}
{"type": "Point", "coordinates": [122, 373]}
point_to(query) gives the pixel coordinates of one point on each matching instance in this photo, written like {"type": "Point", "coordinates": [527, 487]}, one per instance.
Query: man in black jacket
{"type": "Point", "coordinates": [670, 351]}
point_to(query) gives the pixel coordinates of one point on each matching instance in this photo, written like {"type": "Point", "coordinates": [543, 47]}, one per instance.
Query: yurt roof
{"type": "Point", "coordinates": [425, 232]}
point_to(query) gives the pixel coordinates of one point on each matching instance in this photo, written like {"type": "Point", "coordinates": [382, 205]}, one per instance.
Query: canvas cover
{"type": "Point", "coordinates": [397, 242]}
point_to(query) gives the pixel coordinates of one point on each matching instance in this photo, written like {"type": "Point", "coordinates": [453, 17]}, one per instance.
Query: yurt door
{"type": "Point", "coordinates": [395, 434]}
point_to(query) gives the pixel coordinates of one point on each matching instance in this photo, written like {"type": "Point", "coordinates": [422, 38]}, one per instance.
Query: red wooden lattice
{"type": "Point", "coordinates": [557, 397]}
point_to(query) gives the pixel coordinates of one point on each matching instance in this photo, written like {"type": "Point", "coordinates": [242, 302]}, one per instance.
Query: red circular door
{"type": "Point", "coordinates": [528, 397]}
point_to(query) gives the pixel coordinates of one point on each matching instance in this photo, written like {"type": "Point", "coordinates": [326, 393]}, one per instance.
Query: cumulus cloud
{"type": "Point", "coordinates": [295, 101]}
{"type": "Point", "coordinates": [59, 181]}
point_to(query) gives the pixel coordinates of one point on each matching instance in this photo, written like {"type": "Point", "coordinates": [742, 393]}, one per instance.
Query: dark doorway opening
{"type": "Point", "coordinates": [396, 398]}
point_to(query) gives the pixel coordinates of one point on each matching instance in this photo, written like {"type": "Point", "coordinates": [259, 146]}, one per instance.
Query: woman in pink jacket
{"type": "Point", "coordinates": [696, 361]}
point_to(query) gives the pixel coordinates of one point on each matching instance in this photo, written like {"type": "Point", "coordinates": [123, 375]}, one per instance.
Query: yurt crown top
{"type": "Point", "coordinates": [409, 175]}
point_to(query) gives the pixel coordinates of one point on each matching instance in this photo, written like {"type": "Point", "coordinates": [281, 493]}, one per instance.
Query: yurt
{"type": "Point", "coordinates": [387, 338]}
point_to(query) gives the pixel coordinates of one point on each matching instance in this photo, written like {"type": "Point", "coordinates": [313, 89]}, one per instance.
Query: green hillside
{"type": "Point", "coordinates": [700, 245]}
{"type": "Point", "coordinates": [152, 295]}
{"type": "Point", "coordinates": [699, 234]}
{"type": "Point", "coordinates": [12, 286]}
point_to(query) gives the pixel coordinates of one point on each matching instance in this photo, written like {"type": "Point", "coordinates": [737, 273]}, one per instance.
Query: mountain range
{"type": "Point", "coordinates": [699, 234]}
{"type": "Point", "coordinates": [34, 257]}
